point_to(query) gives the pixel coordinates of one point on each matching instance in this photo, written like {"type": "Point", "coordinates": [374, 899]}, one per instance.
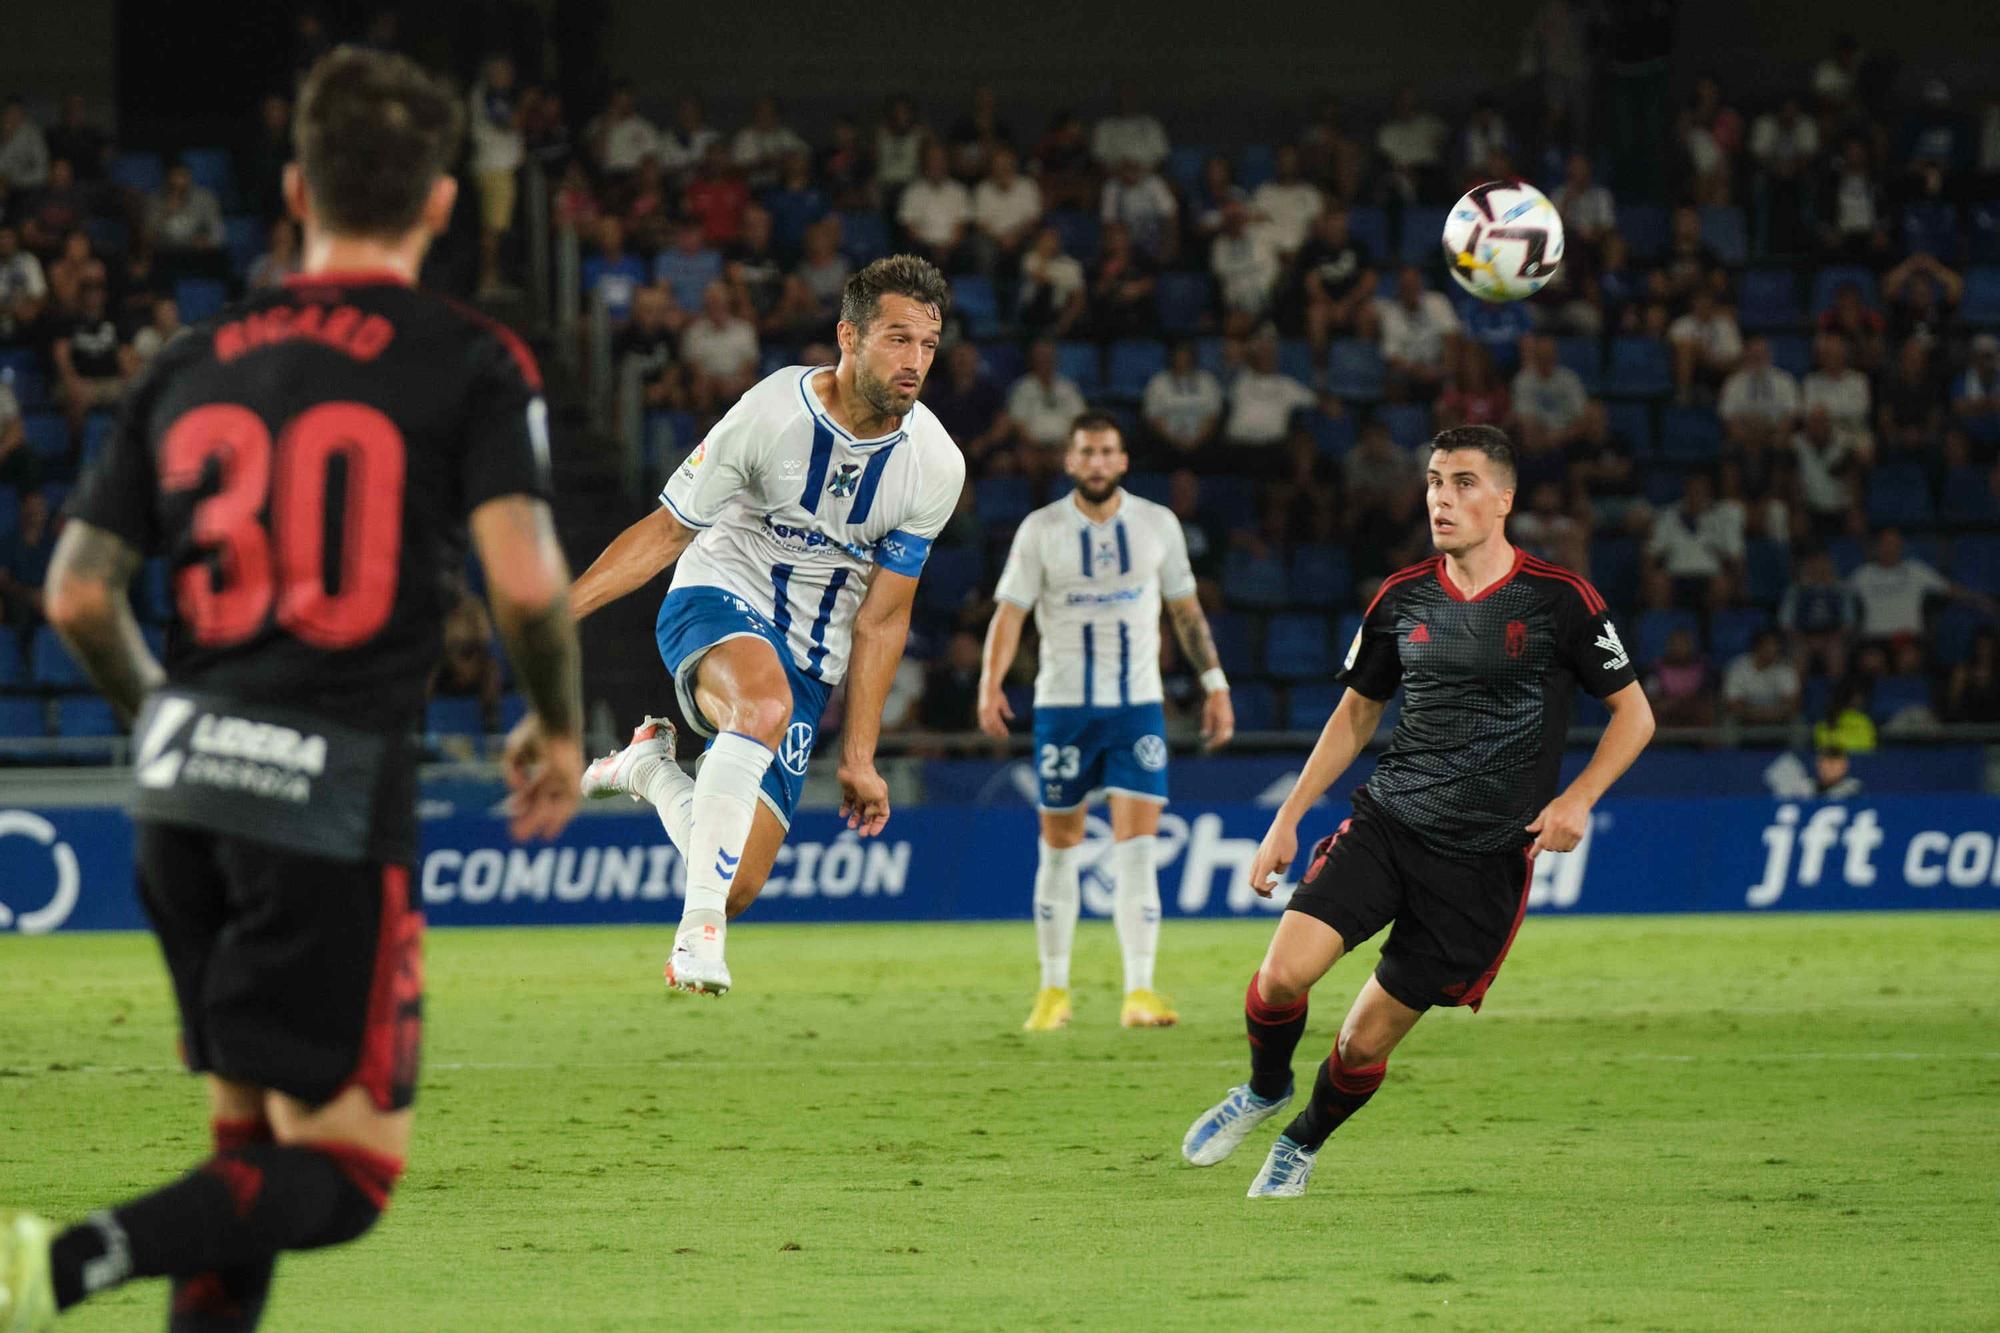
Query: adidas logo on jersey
{"type": "Point", "coordinates": [1421, 634]}
{"type": "Point", "coordinates": [1609, 642]}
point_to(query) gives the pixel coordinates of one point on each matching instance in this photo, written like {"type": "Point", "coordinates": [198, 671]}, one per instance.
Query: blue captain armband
{"type": "Point", "coordinates": [903, 553]}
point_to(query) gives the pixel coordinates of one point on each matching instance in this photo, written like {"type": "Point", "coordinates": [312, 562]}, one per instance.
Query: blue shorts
{"type": "Point", "coordinates": [694, 620]}
{"type": "Point", "coordinates": [1083, 752]}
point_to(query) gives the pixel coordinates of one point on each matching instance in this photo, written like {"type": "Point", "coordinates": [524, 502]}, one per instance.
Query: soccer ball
{"type": "Point", "coordinates": [1503, 241]}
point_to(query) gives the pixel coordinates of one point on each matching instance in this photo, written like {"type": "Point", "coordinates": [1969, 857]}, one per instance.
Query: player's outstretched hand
{"type": "Point", "coordinates": [1280, 845]}
{"type": "Point", "coordinates": [864, 799]}
{"type": "Point", "coordinates": [1560, 826]}
{"type": "Point", "coordinates": [994, 714]}
{"type": "Point", "coordinates": [544, 780]}
{"type": "Point", "coordinates": [1218, 720]}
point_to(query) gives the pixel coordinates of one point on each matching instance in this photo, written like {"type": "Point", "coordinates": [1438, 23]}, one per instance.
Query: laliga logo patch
{"type": "Point", "coordinates": [797, 749]}
{"type": "Point", "coordinates": [1151, 752]}
{"type": "Point", "coordinates": [69, 880]}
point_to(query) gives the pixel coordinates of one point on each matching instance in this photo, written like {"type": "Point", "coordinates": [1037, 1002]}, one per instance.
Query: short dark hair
{"type": "Point", "coordinates": [1095, 418]}
{"type": "Point", "coordinates": [897, 275]}
{"type": "Point", "coordinates": [1488, 440]}
{"type": "Point", "coordinates": [373, 132]}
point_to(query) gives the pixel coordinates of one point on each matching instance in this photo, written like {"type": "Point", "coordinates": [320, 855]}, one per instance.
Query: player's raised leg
{"type": "Point", "coordinates": [1135, 911]}
{"type": "Point", "coordinates": [1058, 899]}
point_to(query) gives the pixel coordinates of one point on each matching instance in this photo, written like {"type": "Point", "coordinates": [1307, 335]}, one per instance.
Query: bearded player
{"type": "Point", "coordinates": [797, 530]}
{"type": "Point", "coordinates": [1488, 643]}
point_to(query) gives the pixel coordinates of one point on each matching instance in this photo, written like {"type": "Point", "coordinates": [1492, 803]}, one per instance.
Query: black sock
{"type": "Point", "coordinates": [237, 1209]}
{"type": "Point", "coordinates": [1338, 1093]}
{"type": "Point", "coordinates": [230, 1300]}
{"type": "Point", "coordinates": [1274, 1035]}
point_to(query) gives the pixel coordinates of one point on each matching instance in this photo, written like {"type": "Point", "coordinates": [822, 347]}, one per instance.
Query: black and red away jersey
{"type": "Point", "coordinates": [1486, 682]}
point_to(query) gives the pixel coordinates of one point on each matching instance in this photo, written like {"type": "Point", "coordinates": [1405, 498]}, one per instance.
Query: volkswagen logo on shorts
{"type": "Point", "coordinates": [797, 749]}
{"type": "Point", "coordinates": [1151, 752]}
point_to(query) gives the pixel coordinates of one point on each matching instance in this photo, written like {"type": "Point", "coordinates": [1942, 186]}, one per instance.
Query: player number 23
{"type": "Point", "coordinates": [261, 565]}
{"type": "Point", "coordinates": [1060, 761]}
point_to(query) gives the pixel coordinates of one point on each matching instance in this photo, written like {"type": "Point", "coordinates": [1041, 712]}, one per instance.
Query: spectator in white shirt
{"type": "Point", "coordinates": [683, 144]}
{"type": "Point", "coordinates": [1051, 298]}
{"type": "Point", "coordinates": [1841, 391]}
{"type": "Point", "coordinates": [1695, 545]}
{"type": "Point", "coordinates": [1136, 196]}
{"type": "Point", "coordinates": [1413, 142]}
{"type": "Point", "coordinates": [24, 152]}
{"type": "Point", "coordinates": [1856, 227]}
{"type": "Point", "coordinates": [1245, 266]}
{"type": "Point", "coordinates": [1552, 410]}
{"type": "Point", "coordinates": [1785, 141]}
{"type": "Point", "coordinates": [1041, 407]}
{"type": "Point", "coordinates": [24, 288]}
{"type": "Point", "coordinates": [761, 147]}
{"type": "Point", "coordinates": [1487, 140]}
{"type": "Point", "coordinates": [1588, 213]}
{"type": "Point", "coordinates": [899, 142]}
{"type": "Point", "coordinates": [1006, 210]}
{"type": "Point", "coordinates": [1128, 136]}
{"type": "Point", "coordinates": [1287, 205]}
{"type": "Point", "coordinates": [183, 216]}
{"type": "Point", "coordinates": [1761, 688]}
{"type": "Point", "coordinates": [1262, 401]}
{"type": "Point", "coordinates": [1707, 345]}
{"type": "Point", "coordinates": [1892, 589]}
{"type": "Point", "coordinates": [1420, 333]}
{"type": "Point", "coordinates": [498, 149]}
{"type": "Point", "coordinates": [1759, 403]}
{"type": "Point", "coordinates": [1183, 403]}
{"type": "Point", "coordinates": [936, 210]}
{"type": "Point", "coordinates": [1827, 464]}
{"type": "Point", "coordinates": [623, 137]}
{"type": "Point", "coordinates": [719, 348]}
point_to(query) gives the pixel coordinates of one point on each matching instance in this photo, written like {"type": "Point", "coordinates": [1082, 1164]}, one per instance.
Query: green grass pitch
{"type": "Point", "coordinates": [1656, 1123]}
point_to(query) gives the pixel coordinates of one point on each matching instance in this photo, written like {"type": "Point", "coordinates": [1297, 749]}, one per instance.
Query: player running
{"type": "Point", "coordinates": [1094, 568]}
{"type": "Point", "coordinates": [308, 464]}
{"type": "Point", "coordinates": [1488, 644]}
{"type": "Point", "coordinates": [799, 526]}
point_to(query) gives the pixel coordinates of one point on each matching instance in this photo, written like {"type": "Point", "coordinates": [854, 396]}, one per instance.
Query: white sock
{"type": "Point", "coordinates": [725, 802]}
{"type": "Point", "coordinates": [1057, 899]}
{"type": "Point", "coordinates": [1136, 910]}
{"type": "Point", "coordinates": [671, 791]}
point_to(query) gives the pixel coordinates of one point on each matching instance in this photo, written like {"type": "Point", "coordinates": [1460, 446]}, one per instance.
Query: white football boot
{"type": "Point", "coordinates": [696, 965]}
{"type": "Point", "coordinates": [1216, 1134]}
{"type": "Point", "coordinates": [653, 738]}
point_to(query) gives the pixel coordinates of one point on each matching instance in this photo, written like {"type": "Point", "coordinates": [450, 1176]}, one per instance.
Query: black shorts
{"type": "Point", "coordinates": [292, 972]}
{"type": "Point", "coordinates": [1455, 917]}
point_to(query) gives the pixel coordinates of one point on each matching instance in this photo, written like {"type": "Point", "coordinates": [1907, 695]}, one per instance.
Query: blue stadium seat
{"type": "Point", "coordinates": [1236, 643]}
{"type": "Point", "coordinates": [1835, 276]}
{"type": "Point", "coordinates": [972, 295]}
{"type": "Point", "coordinates": [1814, 697]}
{"type": "Point", "coordinates": [1690, 435]}
{"type": "Point", "coordinates": [1308, 705]}
{"type": "Point", "coordinates": [1256, 706]}
{"type": "Point", "coordinates": [1354, 371]}
{"type": "Point", "coordinates": [1791, 352]}
{"type": "Point", "coordinates": [1614, 569]}
{"type": "Point", "coordinates": [1320, 577]}
{"type": "Point", "coordinates": [1899, 495]}
{"type": "Point", "coordinates": [210, 167]}
{"type": "Point", "coordinates": [1653, 630]}
{"type": "Point", "coordinates": [1021, 700]}
{"type": "Point", "coordinates": [1295, 358]}
{"type": "Point", "coordinates": [111, 238]}
{"type": "Point", "coordinates": [1730, 631]}
{"type": "Point", "coordinates": [50, 663]}
{"type": "Point", "coordinates": [47, 434]}
{"type": "Point", "coordinates": [1184, 165]}
{"type": "Point", "coordinates": [1257, 163]}
{"type": "Point", "coordinates": [774, 358]}
{"type": "Point", "coordinates": [1975, 561]}
{"type": "Point", "coordinates": [1254, 582]}
{"type": "Point", "coordinates": [1644, 227]}
{"type": "Point", "coordinates": [1769, 299]}
{"type": "Point", "coordinates": [1968, 497]}
{"type": "Point", "coordinates": [451, 716]}
{"type": "Point", "coordinates": [1082, 233]}
{"type": "Point", "coordinates": [1638, 368]}
{"type": "Point", "coordinates": [1723, 230]}
{"type": "Point", "coordinates": [1661, 486]}
{"type": "Point", "coordinates": [1767, 570]}
{"type": "Point", "coordinates": [1154, 486]}
{"type": "Point", "coordinates": [1368, 228]}
{"type": "Point", "coordinates": [97, 431]}
{"type": "Point", "coordinates": [1932, 228]}
{"type": "Point", "coordinates": [1847, 554]}
{"type": "Point", "coordinates": [1953, 630]}
{"type": "Point", "coordinates": [1212, 355]}
{"type": "Point", "coordinates": [86, 715]}
{"type": "Point", "coordinates": [1344, 631]}
{"type": "Point", "coordinates": [864, 235]}
{"type": "Point", "coordinates": [1981, 304]}
{"type": "Point", "coordinates": [13, 671]}
{"type": "Point", "coordinates": [1082, 363]}
{"type": "Point", "coordinates": [1897, 694]}
{"type": "Point", "coordinates": [1297, 647]}
{"type": "Point", "coordinates": [1985, 246]}
{"type": "Point", "coordinates": [1586, 357]}
{"type": "Point", "coordinates": [1002, 500]}
{"type": "Point", "coordinates": [1004, 363]}
{"type": "Point", "coordinates": [1409, 424]}
{"type": "Point", "coordinates": [1333, 434]}
{"type": "Point", "coordinates": [1133, 363]}
{"type": "Point", "coordinates": [1231, 499]}
{"type": "Point", "coordinates": [951, 573]}
{"type": "Point", "coordinates": [22, 719]}
{"type": "Point", "coordinates": [1421, 229]}
{"type": "Point", "coordinates": [142, 172]}
{"type": "Point", "coordinates": [1632, 424]}
{"type": "Point", "coordinates": [21, 369]}
{"type": "Point", "coordinates": [198, 298]}
{"type": "Point", "coordinates": [10, 513]}
{"type": "Point", "coordinates": [1183, 301]}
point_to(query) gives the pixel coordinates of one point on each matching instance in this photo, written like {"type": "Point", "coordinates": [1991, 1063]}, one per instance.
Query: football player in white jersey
{"type": "Point", "coordinates": [800, 525]}
{"type": "Point", "coordinates": [1095, 567]}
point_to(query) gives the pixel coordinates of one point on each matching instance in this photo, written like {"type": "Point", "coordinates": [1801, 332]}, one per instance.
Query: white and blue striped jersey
{"type": "Point", "coordinates": [1096, 589]}
{"type": "Point", "coordinates": [795, 514]}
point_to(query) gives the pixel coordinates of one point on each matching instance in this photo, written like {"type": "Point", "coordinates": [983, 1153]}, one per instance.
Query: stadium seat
{"type": "Point", "coordinates": [774, 358]}
{"type": "Point", "coordinates": [1644, 227]}
{"type": "Point", "coordinates": [1308, 705]}
{"type": "Point", "coordinates": [864, 235]}
{"type": "Point", "coordinates": [10, 513]}
{"type": "Point", "coordinates": [1212, 355]}
{"type": "Point", "coordinates": [1295, 358]}
{"type": "Point", "coordinates": [1297, 647]}
{"type": "Point", "coordinates": [1768, 300]}
{"type": "Point", "coordinates": [1154, 486]}
{"type": "Point", "coordinates": [22, 718]}
{"type": "Point", "coordinates": [211, 168]}
{"type": "Point", "coordinates": [1899, 495]}
{"type": "Point", "coordinates": [1230, 499]}
{"type": "Point", "coordinates": [1002, 500]}
{"type": "Point", "coordinates": [1985, 245]}
{"type": "Point", "coordinates": [1638, 367]}
{"type": "Point", "coordinates": [1082, 233]}
{"type": "Point", "coordinates": [1690, 435]}
{"type": "Point", "coordinates": [1256, 706]}
{"type": "Point", "coordinates": [1409, 424]}
{"type": "Point", "coordinates": [1791, 352]}
{"type": "Point", "coordinates": [1421, 229]}
{"type": "Point", "coordinates": [1333, 434]}
{"type": "Point", "coordinates": [1981, 304]}
{"type": "Point", "coordinates": [1968, 497]}
{"type": "Point", "coordinates": [950, 575]}
{"type": "Point", "coordinates": [152, 594]}
{"type": "Point", "coordinates": [1236, 643]}
{"type": "Point", "coordinates": [1767, 570]}
{"type": "Point", "coordinates": [454, 717]}
{"type": "Point", "coordinates": [1723, 230]}
{"type": "Point", "coordinates": [512, 709]}
{"type": "Point", "coordinates": [140, 172]}
{"type": "Point", "coordinates": [1081, 362]}
{"type": "Point", "coordinates": [1975, 561]}
{"type": "Point", "coordinates": [1368, 228]}
{"type": "Point", "coordinates": [80, 715]}
{"type": "Point", "coordinates": [21, 371]}
{"type": "Point", "coordinates": [13, 671]}
{"type": "Point", "coordinates": [97, 429]}
{"type": "Point", "coordinates": [1894, 695]}
{"type": "Point", "coordinates": [1183, 301]}
{"type": "Point", "coordinates": [47, 434]}
{"type": "Point", "coordinates": [198, 298]}
{"type": "Point", "coordinates": [1614, 569]}
{"type": "Point", "coordinates": [1004, 363]}
{"type": "Point", "coordinates": [1931, 227]}
{"type": "Point", "coordinates": [1847, 553]}
{"type": "Point", "coordinates": [1257, 163]}
{"type": "Point", "coordinates": [1814, 697]}
{"type": "Point", "coordinates": [1254, 582]}
{"type": "Point", "coordinates": [1654, 629]}
{"type": "Point", "coordinates": [1661, 486]}
{"type": "Point", "coordinates": [1320, 577]}
{"type": "Point", "coordinates": [1586, 357]}
{"type": "Point", "coordinates": [1344, 631]}
{"type": "Point", "coordinates": [1184, 165]}
{"type": "Point", "coordinates": [1833, 277]}
{"type": "Point", "coordinates": [111, 238]}
{"type": "Point", "coordinates": [1133, 363]}
{"type": "Point", "coordinates": [1355, 372]}
{"type": "Point", "coordinates": [972, 295]}
{"type": "Point", "coordinates": [50, 663]}
{"type": "Point", "coordinates": [1730, 631]}
{"type": "Point", "coordinates": [1021, 700]}
{"type": "Point", "coordinates": [1632, 425]}
{"type": "Point", "coordinates": [1953, 630]}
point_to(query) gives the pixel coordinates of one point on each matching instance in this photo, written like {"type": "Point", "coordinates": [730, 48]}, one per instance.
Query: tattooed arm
{"type": "Point", "coordinates": [1218, 717]}
{"type": "Point", "coordinates": [85, 599]}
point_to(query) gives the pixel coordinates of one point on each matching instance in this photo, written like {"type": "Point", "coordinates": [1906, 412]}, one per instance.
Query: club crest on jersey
{"type": "Point", "coordinates": [846, 478]}
{"type": "Point", "coordinates": [797, 749]}
{"type": "Point", "coordinates": [1517, 638]}
{"type": "Point", "coordinates": [1107, 553]}
{"type": "Point", "coordinates": [1151, 752]}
